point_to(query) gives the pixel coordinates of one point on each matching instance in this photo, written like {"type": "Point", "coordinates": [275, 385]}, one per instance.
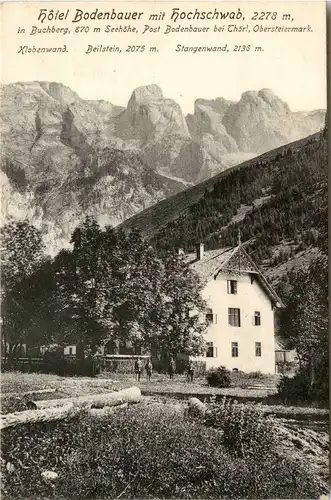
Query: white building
{"type": "Point", "coordinates": [241, 305]}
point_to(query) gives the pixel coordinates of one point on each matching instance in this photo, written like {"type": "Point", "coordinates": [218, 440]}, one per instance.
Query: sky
{"type": "Point", "coordinates": [292, 65]}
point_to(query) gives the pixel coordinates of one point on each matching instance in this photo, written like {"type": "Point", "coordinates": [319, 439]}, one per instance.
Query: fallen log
{"type": "Point", "coordinates": [107, 410]}
{"type": "Point", "coordinates": [70, 407]}
{"type": "Point", "coordinates": [196, 407]}
{"type": "Point", "coordinates": [34, 416]}
{"type": "Point", "coordinates": [130, 395]}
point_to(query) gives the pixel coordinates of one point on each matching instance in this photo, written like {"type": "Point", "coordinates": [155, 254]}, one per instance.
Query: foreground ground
{"type": "Point", "coordinates": [303, 442]}
{"type": "Point", "coordinates": [12, 381]}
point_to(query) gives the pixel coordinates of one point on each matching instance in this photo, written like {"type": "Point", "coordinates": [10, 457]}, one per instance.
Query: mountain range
{"type": "Point", "coordinates": [64, 157]}
{"type": "Point", "coordinates": [278, 201]}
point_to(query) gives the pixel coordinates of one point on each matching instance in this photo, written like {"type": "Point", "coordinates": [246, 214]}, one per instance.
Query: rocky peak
{"type": "Point", "coordinates": [61, 93]}
{"type": "Point", "coordinates": [263, 100]}
{"type": "Point", "coordinates": [66, 156]}
{"type": "Point", "coordinates": [145, 94]}
{"type": "Point", "coordinates": [151, 116]}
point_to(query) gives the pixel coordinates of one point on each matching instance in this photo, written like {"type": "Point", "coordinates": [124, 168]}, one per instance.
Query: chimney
{"type": "Point", "coordinates": [200, 251]}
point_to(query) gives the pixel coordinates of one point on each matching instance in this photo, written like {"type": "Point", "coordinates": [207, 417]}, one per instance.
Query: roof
{"type": "Point", "coordinates": [230, 259]}
{"type": "Point", "coordinates": [211, 262]}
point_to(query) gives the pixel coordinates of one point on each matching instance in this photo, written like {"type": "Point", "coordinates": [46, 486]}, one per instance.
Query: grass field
{"type": "Point", "coordinates": [151, 450]}
{"type": "Point", "coordinates": [241, 385]}
{"type": "Point", "coordinates": [262, 390]}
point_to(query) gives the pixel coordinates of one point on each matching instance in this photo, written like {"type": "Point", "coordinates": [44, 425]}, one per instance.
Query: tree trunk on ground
{"type": "Point", "coordinates": [130, 395]}
{"type": "Point", "coordinates": [34, 416]}
{"type": "Point", "coordinates": [196, 408]}
{"type": "Point", "coordinates": [51, 415]}
{"type": "Point", "coordinates": [107, 402]}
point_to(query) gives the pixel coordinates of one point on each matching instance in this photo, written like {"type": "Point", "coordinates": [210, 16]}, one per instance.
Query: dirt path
{"type": "Point", "coordinates": [307, 446]}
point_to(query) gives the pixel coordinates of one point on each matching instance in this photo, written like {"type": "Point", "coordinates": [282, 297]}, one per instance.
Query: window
{"type": "Point", "coordinates": [211, 317]}
{"type": "Point", "coordinates": [137, 349]}
{"type": "Point", "coordinates": [232, 287]}
{"type": "Point", "coordinates": [257, 318]}
{"type": "Point", "coordinates": [258, 349]}
{"type": "Point", "coordinates": [211, 350]}
{"type": "Point", "coordinates": [234, 349]}
{"type": "Point", "coordinates": [234, 316]}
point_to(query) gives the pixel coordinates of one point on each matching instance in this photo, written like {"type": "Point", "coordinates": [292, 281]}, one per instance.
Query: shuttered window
{"type": "Point", "coordinates": [211, 350]}
{"type": "Point", "coordinates": [232, 287]}
{"type": "Point", "coordinates": [211, 317]}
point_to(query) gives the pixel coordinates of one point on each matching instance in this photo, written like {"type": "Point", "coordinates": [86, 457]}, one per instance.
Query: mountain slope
{"type": "Point", "coordinates": [57, 168]}
{"type": "Point", "coordinates": [278, 201]}
{"type": "Point", "coordinates": [64, 157]}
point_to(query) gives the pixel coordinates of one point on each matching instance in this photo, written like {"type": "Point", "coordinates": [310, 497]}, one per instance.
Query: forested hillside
{"type": "Point", "coordinates": [64, 157]}
{"type": "Point", "coordinates": [279, 203]}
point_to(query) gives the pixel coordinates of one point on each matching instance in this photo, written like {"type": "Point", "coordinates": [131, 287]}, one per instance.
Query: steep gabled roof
{"type": "Point", "coordinates": [211, 262]}
{"type": "Point", "coordinates": [231, 260]}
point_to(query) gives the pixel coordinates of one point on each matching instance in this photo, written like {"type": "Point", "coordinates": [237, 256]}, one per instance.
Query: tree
{"type": "Point", "coordinates": [31, 309]}
{"type": "Point", "coordinates": [22, 251]}
{"type": "Point", "coordinates": [82, 288]}
{"type": "Point", "coordinates": [304, 322]}
{"type": "Point", "coordinates": [137, 289]}
{"type": "Point", "coordinates": [179, 327]}
{"type": "Point", "coordinates": [22, 254]}
{"type": "Point", "coordinates": [113, 287]}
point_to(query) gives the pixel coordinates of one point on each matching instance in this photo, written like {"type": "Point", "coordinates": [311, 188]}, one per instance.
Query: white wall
{"type": "Point", "coordinates": [250, 297]}
{"type": "Point", "coordinates": [67, 350]}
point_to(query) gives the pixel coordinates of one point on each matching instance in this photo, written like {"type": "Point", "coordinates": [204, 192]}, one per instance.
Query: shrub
{"type": "Point", "coordinates": [59, 365]}
{"type": "Point", "coordinates": [254, 375]}
{"type": "Point", "coordinates": [293, 389]}
{"type": "Point", "coordinates": [298, 388]}
{"type": "Point", "coordinates": [218, 377]}
{"type": "Point", "coordinates": [10, 404]}
{"type": "Point", "coordinates": [140, 452]}
{"type": "Point", "coordinates": [245, 428]}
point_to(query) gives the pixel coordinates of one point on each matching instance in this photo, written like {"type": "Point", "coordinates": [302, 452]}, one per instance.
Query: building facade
{"type": "Point", "coordinates": [240, 314]}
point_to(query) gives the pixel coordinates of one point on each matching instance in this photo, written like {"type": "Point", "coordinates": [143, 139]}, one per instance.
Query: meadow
{"type": "Point", "coordinates": [153, 449]}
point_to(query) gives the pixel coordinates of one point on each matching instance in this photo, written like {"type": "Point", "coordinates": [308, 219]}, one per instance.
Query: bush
{"type": "Point", "coordinates": [246, 430]}
{"type": "Point", "coordinates": [298, 388]}
{"type": "Point", "coordinates": [11, 404]}
{"type": "Point", "coordinates": [255, 375]}
{"type": "Point", "coordinates": [218, 377]}
{"type": "Point", "coordinates": [140, 452]}
{"type": "Point", "coordinates": [293, 389]}
{"type": "Point", "coordinates": [59, 365]}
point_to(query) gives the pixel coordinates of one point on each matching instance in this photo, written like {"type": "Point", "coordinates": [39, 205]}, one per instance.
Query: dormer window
{"type": "Point", "coordinates": [232, 287]}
